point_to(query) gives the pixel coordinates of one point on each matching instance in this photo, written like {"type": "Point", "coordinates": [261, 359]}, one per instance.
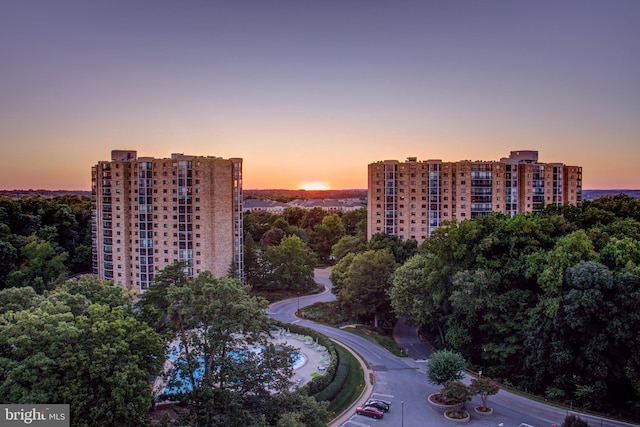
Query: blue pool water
{"type": "Point", "coordinates": [177, 377]}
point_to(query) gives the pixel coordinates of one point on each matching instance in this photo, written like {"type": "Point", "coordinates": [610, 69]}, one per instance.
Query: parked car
{"type": "Point", "coordinates": [378, 404]}
{"type": "Point", "coordinates": [369, 411]}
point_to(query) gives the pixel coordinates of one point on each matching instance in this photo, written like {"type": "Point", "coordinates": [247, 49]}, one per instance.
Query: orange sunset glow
{"type": "Point", "coordinates": [314, 185]}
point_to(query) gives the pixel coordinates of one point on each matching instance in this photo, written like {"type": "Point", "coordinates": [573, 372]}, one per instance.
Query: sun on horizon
{"type": "Point", "coordinates": [314, 185]}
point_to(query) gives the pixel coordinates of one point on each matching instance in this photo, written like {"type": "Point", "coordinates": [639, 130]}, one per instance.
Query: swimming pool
{"type": "Point", "coordinates": [180, 384]}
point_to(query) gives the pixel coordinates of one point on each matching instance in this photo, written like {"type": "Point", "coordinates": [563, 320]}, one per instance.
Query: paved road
{"type": "Point", "coordinates": [402, 381]}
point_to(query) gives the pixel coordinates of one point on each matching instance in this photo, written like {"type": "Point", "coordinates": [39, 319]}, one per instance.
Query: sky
{"type": "Point", "coordinates": [309, 92]}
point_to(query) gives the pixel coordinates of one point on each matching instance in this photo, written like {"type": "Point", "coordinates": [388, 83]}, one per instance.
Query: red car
{"type": "Point", "coordinates": [369, 411]}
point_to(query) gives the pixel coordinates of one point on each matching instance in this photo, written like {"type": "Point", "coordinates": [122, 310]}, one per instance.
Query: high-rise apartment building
{"type": "Point", "coordinates": [149, 213]}
{"type": "Point", "coordinates": [411, 199]}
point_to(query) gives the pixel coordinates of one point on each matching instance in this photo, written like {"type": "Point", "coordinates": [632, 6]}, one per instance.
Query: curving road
{"type": "Point", "coordinates": [402, 381]}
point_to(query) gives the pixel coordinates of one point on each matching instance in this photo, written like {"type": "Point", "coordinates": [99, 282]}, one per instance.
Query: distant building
{"type": "Point", "coordinates": [331, 205]}
{"type": "Point", "coordinates": [411, 199]}
{"type": "Point", "coordinates": [149, 213]}
{"type": "Point", "coordinates": [270, 206]}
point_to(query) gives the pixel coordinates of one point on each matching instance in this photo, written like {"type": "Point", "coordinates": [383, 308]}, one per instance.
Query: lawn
{"type": "Point", "coordinates": [328, 314]}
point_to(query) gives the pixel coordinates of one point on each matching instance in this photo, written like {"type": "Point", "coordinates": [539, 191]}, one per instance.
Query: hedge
{"type": "Point", "coordinates": [319, 383]}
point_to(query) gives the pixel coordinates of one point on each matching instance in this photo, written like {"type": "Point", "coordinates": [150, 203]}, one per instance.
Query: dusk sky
{"type": "Point", "coordinates": [313, 91]}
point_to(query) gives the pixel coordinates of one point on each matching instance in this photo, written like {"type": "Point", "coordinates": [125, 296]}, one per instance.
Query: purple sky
{"type": "Point", "coordinates": [313, 91]}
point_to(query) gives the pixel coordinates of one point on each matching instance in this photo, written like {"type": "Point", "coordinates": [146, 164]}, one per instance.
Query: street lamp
{"type": "Point", "coordinates": [484, 358]}
{"type": "Point", "coordinates": [402, 411]}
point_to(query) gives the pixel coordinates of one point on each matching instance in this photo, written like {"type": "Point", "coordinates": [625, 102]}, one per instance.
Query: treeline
{"type": "Point", "coordinates": [549, 302]}
{"type": "Point", "coordinates": [44, 193]}
{"type": "Point", "coordinates": [44, 240]}
{"type": "Point", "coordinates": [78, 344]}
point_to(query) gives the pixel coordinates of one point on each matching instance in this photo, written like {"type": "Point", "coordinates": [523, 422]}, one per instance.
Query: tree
{"type": "Point", "coordinates": [63, 221]}
{"type": "Point", "coordinates": [339, 273]}
{"type": "Point", "coordinates": [154, 305]}
{"type": "Point", "coordinates": [572, 420]}
{"type": "Point", "coordinates": [107, 372]}
{"type": "Point", "coordinates": [325, 235]}
{"type": "Point", "coordinates": [484, 387]}
{"type": "Point", "coordinates": [8, 260]}
{"type": "Point", "coordinates": [32, 364]}
{"type": "Point", "coordinates": [365, 291]}
{"type": "Point", "coordinates": [568, 251]}
{"type": "Point", "coordinates": [296, 410]}
{"type": "Point", "coordinates": [218, 324]}
{"type": "Point", "coordinates": [42, 269]}
{"type": "Point", "coordinates": [581, 353]}
{"type": "Point", "coordinates": [347, 245]}
{"type": "Point", "coordinates": [95, 291]}
{"type": "Point", "coordinates": [355, 222]}
{"type": "Point", "coordinates": [402, 250]}
{"type": "Point", "coordinates": [418, 294]}
{"type": "Point", "coordinates": [621, 254]}
{"type": "Point", "coordinates": [456, 392]}
{"type": "Point", "coordinates": [289, 265]}
{"type": "Point", "coordinates": [313, 217]}
{"type": "Point", "coordinates": [294, 216]}
{"type": "Point", "coordinates": [445, 365]}
{"type": "Point", "coordinates": [252, 269]}
{"type": "Point", "coordinates": [255, 224]}
{"type": "Point", "coordinates": [273, 237]}
{"type": "Point", "coordinates": [18, 299]}
{"type": "Point", "coordinates": [94, 357]}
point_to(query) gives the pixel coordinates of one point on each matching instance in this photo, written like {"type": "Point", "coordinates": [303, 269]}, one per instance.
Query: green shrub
{"type": "Point", "coordinates": [330, 392]}
{"type": "Point", "coordinates": [321, 382]}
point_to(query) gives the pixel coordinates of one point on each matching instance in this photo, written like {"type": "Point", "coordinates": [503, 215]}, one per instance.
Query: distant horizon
{"type": "Point", "coordinates": [297, 189]}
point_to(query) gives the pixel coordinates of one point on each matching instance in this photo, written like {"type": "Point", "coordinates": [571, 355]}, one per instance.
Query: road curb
{"type": "Point", "coordinates": [369, 379]}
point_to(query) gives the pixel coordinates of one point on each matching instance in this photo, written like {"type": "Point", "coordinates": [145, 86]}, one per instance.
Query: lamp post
{"type": "Point", "coordinates": [484, 358]}
{"type": "Point", "coordinates": [402, 412]}
{"type": "Point", "coordinates": [298, 303]}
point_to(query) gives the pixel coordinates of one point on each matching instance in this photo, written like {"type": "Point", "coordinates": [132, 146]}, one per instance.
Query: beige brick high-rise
{"type": "Point", "coordinates": [411, 199]}
{"type": "Point", "coordinates": [149, 213]}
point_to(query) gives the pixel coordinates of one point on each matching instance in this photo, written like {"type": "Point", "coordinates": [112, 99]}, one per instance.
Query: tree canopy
{"type": "Point", "coordinates": [288, 265]}
{"type": "Point", "coordinates": [79, 344]}
{"type": "Point", "coordinates": [225, 367]}
{"type": "Point", "coordinates": [42, 239]}
{"type": "Point", "coordinates": [541, 301]}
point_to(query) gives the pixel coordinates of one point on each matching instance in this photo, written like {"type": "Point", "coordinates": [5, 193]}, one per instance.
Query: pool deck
{"type": "Point", "coordinates": [316, 356]}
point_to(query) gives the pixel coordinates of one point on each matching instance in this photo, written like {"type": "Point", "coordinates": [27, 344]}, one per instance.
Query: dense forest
{"type": "Point", "coordinates": [549, 303]}
{"type": "Point", "coordinates": [44, 240]}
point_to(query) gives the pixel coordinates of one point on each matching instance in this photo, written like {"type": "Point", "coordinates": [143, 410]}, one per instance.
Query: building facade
{"type": "Point", "coordinates": [410, 199]}
{"type": "Point", "coordinates": [149, 213]}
